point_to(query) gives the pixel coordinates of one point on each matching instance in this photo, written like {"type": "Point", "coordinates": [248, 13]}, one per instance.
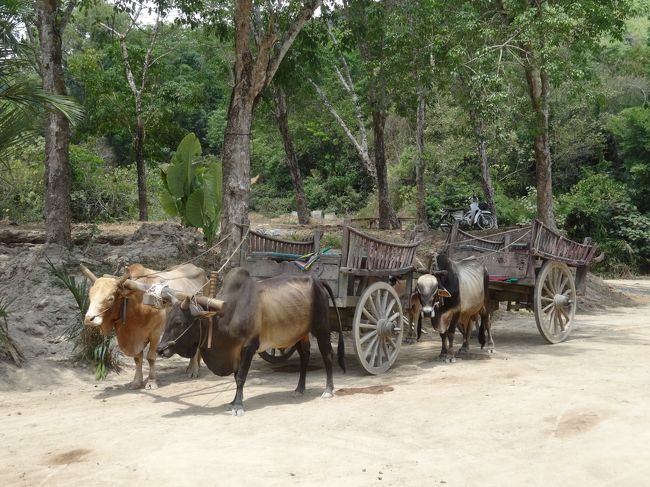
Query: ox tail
{"type": "Point", "coordinates": [340, 350]}
{"type": "Point", "coordinates": [486, 308]}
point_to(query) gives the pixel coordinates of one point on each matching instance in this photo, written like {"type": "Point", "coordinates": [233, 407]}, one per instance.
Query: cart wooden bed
{"type": "Point", "coordinates": [358, 275]}
{"type": "Point", "coordinates": [532, 267]}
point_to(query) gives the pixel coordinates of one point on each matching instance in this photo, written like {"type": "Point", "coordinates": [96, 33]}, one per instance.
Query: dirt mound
{"type": "Point", "coordinates": [601, 295]}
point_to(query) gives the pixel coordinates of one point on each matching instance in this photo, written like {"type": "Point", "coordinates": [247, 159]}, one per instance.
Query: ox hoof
{"type": "Point", "coordinates": [298, 393]}
{"type": "Point", "coordinates": [151, 384]}
{"type": "Point", "coordinates": [236, 410]}
{"type": "Point", "coordinates": [135, 385]}
{"type": "Point", "coordinates": [450, 360]}
{"type": "Point", "coordinates": [327, 395]}
{"type": "Point", "coordinates": [192, 372]}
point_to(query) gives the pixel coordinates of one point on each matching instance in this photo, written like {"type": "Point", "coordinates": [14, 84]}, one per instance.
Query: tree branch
{"type": "Point", "coordinates": [67, 14]}
{"type": "Point", "coordinates": [362, 150]}
{"type": "Point", "coordinates": [290, 36]}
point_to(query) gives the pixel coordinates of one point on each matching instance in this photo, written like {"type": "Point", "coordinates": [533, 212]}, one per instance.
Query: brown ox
{"type": "Point", "coordinates": [254, 316]}
{"type": "Point", "coordinates": [117, 304]}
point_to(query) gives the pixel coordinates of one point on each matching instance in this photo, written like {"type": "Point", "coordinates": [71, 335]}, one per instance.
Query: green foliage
{"type": "Point", "coordinates": [631, 128]}
{"type": "Point", "coordinates": [88, 345]}
{"type": "Point", "coordinates": [193, 187]}
{"type": "Point", "coordinates": [600, 207]}
{"type": "Point", "coordinates": [516, 211]}
{"type": "Point", "coordinates": [21, 186]}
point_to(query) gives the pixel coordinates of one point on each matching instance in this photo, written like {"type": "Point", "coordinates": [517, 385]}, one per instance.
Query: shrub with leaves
{"type": "Point", "coordinates": [192, 188]}
{"type": "Point", "coordinates": [88, 345]}
{"type": "Point", "coordinates": [601, 208]}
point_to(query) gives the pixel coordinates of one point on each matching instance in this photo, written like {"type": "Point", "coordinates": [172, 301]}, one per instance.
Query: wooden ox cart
{"type": "Point", "coordinates": [358, 275]}
{"type": "Point", "coordinates": [534, 268]}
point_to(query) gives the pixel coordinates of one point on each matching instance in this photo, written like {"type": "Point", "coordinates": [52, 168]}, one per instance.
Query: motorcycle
{"type": "Point", "coordinates": [478, 216]}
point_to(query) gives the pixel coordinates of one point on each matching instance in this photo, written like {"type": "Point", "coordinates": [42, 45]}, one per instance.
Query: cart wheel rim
{"type": "Point", "coordinates": [277, 355]}
{"type": "Point", "coordinates": [555, 301]}
{"type": "Point", "coordinates": [377, 328]}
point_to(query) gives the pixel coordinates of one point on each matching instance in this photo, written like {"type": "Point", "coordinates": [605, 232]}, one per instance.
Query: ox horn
{"type": "Point", "coordinates": [124, 278]}
{"type": "Point", "coordinates": [185, 304]}
{"type": "Point", "coordinates": [86, 272]}
{"type": "Point", "coordinates": [599, 258]}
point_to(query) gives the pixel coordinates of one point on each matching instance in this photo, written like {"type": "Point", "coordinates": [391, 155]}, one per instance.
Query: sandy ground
{"type": "Point", "coordinates": [577, 413]}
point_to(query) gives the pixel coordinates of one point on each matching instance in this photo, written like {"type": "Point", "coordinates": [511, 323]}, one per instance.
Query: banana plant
{"type": "Point", "coordinates": [192, 188]}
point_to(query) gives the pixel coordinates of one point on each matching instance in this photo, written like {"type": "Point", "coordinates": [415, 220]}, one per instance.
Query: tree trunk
{"type": "Point", "coordinates": [420, 203]}
{"type": "Point", "coordinates": [387, 217]}
{"type": "Point", "coordinates": [484, 162]}
{"type": "Point", "coordinates": [236, 167]}
{"type": "Point", "coordinates": [539, 91]}
{"type": "Point", "coordinates": [58, 214]}
{"type": "Point", "coordinates": [138, 146]}
{"type": "Point", "coordinates": [282, 118]}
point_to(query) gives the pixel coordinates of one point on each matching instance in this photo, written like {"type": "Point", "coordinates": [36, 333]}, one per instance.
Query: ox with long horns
{"type": "Point", "coordinates": [117, 304]}
{"type": "Point", "coordinates": [249, 316]}
{"type": "Point", "coordinates": [454, 295]}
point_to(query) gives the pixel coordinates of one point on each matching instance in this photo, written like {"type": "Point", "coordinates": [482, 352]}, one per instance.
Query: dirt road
{"type": "Point", "coordinates": [577, 413]}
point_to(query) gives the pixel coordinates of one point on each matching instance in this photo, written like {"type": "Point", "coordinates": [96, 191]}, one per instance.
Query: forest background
{"type": "Point", "coordinates": [440, 90]}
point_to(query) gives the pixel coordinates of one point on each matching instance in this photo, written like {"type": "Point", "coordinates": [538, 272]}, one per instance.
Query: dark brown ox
{"type": "Point", "coordinates": [454, 295]}
{"type": "Point", "coordinates": [116, 303]}
{"type": "Point", "coordinates": [254, 316]}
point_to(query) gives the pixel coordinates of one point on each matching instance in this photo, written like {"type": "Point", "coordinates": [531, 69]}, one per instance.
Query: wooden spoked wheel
{"type": "Point", "coordinates": [277, 355]}
{"type": "Point", "coordinates": [555, 301]}
{"type": "Point", "coordinates": [377, 328]}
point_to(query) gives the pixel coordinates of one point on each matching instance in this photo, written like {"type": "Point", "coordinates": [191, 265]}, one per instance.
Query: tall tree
{"type": "Point", "coordinates": [367, 20]}
{"type": "Point", "coordinates": [543, 33]}
{"type": "Point", "coordinates": [257, 59]}
{"type": "Point", "coordinates": [137, 87]}
{"type": "Point", "coordinates": [281, 114]}
{"type": "Point", "coordinates": [52, 17]}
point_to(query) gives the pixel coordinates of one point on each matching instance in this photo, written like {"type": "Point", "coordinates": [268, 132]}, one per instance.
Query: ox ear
{"type": "Point", "coordinates": [443, 293]}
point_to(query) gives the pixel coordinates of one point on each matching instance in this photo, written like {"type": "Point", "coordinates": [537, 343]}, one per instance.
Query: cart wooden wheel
{"type": "Point", "coordinates": [277, 355]}
{"type": "Point", "coordinates": [377, 328]}
{"type": "Point", "coordinates": [555, 301]}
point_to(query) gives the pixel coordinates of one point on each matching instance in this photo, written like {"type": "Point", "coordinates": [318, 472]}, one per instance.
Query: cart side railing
{"type": "Point", "coordinates": [259, 242]}
{"type": "Point", "coordinates": [549, 244]}
{"type": "Point", "coordinates": [364, 254]}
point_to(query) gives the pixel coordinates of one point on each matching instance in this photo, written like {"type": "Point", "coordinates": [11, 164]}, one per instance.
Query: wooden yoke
{"type": "Point", "coordinates": [212, 292]}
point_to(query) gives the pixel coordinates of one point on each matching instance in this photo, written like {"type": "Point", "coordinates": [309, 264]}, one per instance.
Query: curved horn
{"type": "Point", "coordinates": [185, 305]}
{"type": "Point", "coordinates": [86, 272]}
{"type": "Point", "coordinates": [123, 279]}
{"type": "Point", "coordinates": [599, 258]}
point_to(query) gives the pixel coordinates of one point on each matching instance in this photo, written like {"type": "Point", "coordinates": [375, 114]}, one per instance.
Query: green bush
{"type": "Point", "coordinates": [600, 207]}
{"type": "Point", "coordinates": [515, 211]}
{"type": "Point", "coordinates": [265, 199]}
{"type": "Point", "coordinates": [21, 186]}
{"type": "Point", "coordinates": [98, 193]}
{"type": "Point", "coordinates": [101, 194]}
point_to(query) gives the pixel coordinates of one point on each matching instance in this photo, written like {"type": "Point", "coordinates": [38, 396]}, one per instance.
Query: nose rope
{"type": "Point", "coordinates": [173, 342]}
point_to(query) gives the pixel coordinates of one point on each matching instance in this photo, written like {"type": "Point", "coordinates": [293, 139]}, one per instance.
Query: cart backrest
{"type": "Point", "coordinates": [363, 251]}
{"type": "Point", "coordinates": [259, 242]}
{"type": "Point", "coordinates": [549, 244]}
